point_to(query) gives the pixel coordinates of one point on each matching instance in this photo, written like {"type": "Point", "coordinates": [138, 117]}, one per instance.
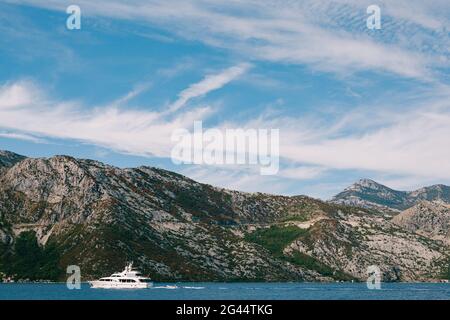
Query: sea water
{"type": "Point", "coordinates": [232, 291]}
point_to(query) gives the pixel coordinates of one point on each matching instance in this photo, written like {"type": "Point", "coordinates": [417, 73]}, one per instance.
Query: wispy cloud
{"type": "Point", "coordinates": [401, 147]}
{"type": "Point", "coordinates": [326, 35]}
{"type": "Point", "coordinates": [21, 136]}
{"type": "Point", "coordinates": [207, 84]}
{"type": "Point", "coordinates": [242, 179]}
{"type": "Point", "coordinates": [136, 91]}
{"type": "Point", "coordinates": [302, 172]}
{"type": "Point", "coordinates": [403, 141]}
{"type": "Point", "coordinates": [412, 142]}
{"type": "Point", "coordinates": [27, 110]}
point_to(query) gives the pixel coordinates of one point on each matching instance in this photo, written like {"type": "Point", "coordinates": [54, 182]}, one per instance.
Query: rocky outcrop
{"type": "Point", "coordinates": [430, 219]}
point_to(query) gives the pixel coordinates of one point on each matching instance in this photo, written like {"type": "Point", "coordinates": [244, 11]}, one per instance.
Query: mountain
{"type": "Point", "coordinates": [8, 159]}
{"type": "Point", "coordinates": [62, 211]}
{"type": "Point", "coordinates": [430, 219]}
{"type": "Point", "coordinates": [437, 192]}
{"type": "Point", "coordinates": [372, 195]}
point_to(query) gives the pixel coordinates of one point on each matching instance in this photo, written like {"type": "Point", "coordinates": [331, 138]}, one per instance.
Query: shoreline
{"type": "Point", "coordinates": [243, 282]}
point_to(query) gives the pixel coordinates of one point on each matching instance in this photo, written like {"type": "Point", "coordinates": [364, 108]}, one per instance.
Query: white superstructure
{"type": "Point", "coordinates": [127, 279]}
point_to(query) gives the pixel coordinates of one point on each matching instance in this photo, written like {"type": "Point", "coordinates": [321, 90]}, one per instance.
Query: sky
{"type": "Point", "coordinates": [349, 102]}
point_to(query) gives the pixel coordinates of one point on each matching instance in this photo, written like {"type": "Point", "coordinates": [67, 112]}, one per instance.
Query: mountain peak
{"type": "Point", "coordinates": [6, 153]}
{"type": "Point", "coordinates": [370, 194]}
{"type": "Point", "coordinates": [366, 183]}
{"type": "Point", "coordinates": [8, 158]}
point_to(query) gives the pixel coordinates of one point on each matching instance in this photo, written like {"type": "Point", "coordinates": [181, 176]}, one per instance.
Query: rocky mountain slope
{"type": "Point", "coordinates": [430, 219]}
{"type": "Point", "coordinates": [90, 214]}
{"type": "Point", "coordinates": [372, 195]}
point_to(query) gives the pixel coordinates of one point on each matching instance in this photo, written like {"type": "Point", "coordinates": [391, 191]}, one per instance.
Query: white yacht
{"type": "Point", "coordinates": [127, 279]}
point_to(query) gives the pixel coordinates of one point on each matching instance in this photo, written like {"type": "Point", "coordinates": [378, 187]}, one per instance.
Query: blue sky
{"type": "Point", "coordinates": [350, 102]}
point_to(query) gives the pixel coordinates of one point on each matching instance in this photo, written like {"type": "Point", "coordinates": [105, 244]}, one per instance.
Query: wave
{"type": "Point", "coordinates": [166, 287]}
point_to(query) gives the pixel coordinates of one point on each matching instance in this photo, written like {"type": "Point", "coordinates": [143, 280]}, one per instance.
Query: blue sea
{"type": "Point", "coordinates": [233, 291]}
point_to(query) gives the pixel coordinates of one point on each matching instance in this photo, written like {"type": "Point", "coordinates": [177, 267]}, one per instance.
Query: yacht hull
{"type": "Point", "coordinates": [119, 285]}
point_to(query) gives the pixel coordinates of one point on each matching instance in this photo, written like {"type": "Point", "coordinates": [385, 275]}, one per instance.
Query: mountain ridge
{"type": "Point", "coordinates": [98, 217]}
{"type": "Point", "coordinates": [8, 158]}
{"type": "Point", "coordinates": [373, 195]}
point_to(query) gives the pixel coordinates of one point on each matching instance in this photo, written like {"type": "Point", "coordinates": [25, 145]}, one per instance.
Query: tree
{"type": "Point", "coordinates": [31, 261]}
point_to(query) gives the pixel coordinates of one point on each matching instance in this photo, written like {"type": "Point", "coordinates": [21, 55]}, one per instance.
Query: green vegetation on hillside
{"type": "Point", "coordinates": [276, 238]}
{"type": "Point", "coordinates": [30, 261]}
{"type": "Point", "coordinates": [311, 263]}
{"type": "Point", "coordinates": [446, 270]}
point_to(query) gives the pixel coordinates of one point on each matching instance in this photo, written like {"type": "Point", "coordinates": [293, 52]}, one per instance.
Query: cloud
{"type": "Point", "coordinates": [390, 141]}
{"type": "Point", "coordinates": [248, 178]}
{"type": "Point", "coordinates": [302, 173]}
{"type": "Point", "coordinates": [207, 84]}
{"type": "Point", "coordinates": [136, 91]}
{"type": "Point", "coordinates": [401, 141]}
{"type": "Point", "coordinates": [131, 131]}
{"type": "Point", "coordinates": [397, 146]}
{"type": "Point", "coordinates": [430, 15]}
{"type": "Point", "coordinates": [239, 178]}
{"type": "Point", "coordinates": [326, 35]}
{"type": "Point", "coordinates": [18, 94]}
{"type": "Point", "coordinates": [26, 108]}
{"type": "Point", "coordinates": [21, 136]}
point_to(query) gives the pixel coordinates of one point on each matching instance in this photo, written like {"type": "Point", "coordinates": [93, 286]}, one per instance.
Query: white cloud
{"type": "Point", "coordinates": [21, 136]}
{"type": "Point", "coordinates": [402, 148]}
{"type": "Point", "coordinates": [18, 94]}
{"type": "Point", "coordinates": [28, 110]}
{"type": "Point", "coordinates": [408, 183]}
{"type": "Point", "coordinates": [136, 91]}
{"type": "Point", "coordinates": [208, 84]}
{"type": "Point", "coordinates": [131, 131]}
{"type": "Point", "coordinates": [241, 179]}
{"type": "Point", "coordinates": [302, 173]}
{"type": "Point", "coordinates": [413, 142]}
{"type": "Point", "coordinates": [327, 35]}
{"type": "Point", "coordinates": [249, 179]}
{"type": "Point", "coordinates": [428, 14]}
